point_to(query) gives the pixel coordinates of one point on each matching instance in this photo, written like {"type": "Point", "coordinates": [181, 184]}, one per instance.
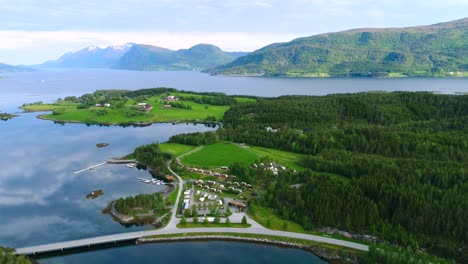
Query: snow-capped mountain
{"type": "Point", "coordinates": [90, 57]}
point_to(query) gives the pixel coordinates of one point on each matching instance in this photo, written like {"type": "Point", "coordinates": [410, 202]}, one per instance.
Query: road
{"type": "Point", "coordinates": [171, 228]}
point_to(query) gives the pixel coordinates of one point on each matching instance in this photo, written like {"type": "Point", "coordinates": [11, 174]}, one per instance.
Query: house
{"type": "Point", "coordinates": [170, 98]}
{"type": "Point", "coordinates": [237, 204]}
{"type": "Point", "coordinates": [142, 106]}
{"type": "Point", "coordinates": [220, 202]}
{"type": "Point", "coordinates": [106, 105]}
{"type": "Point", "coordinates": [98, 105]}
{"type": "Point", "coordinates": [167, 106]}
{"type": "Point", "coordinates": [224, 167]}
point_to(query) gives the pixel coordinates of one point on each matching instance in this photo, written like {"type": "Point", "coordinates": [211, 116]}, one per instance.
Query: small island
{"type": "Point", "coordinates": [140, 107]}
{"type": "Point", "coordinates": [102, 145]}
{"type": "Point", "coordinates": [6, 116]}
{"type": "Point", "coordinates": [94, 194]}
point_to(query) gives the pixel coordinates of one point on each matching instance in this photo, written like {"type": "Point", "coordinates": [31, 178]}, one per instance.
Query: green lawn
{"type": "Point", "coordinates": [175, 148]}
{"type": "Point", "coordinates": [198, 225]}
{"type": "Point", "coordinates": [267, 218]}
{"type": "Point", "coordinates": [219, 154]}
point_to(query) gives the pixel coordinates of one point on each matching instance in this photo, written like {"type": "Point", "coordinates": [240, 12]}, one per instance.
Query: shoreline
{"type": "Point", "coordinates": [139, 124]}
{"type": "Point", "coordinates": [321, 252]}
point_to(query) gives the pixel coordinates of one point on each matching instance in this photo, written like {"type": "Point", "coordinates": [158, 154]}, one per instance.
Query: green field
{"type": "Point", "coordinates": [219, 154]}
{"type": "Point", "coordinates": [267, 218]}
{"type": "Point", "coordinates": [175, 148]}
{"type": "Point", "coordinates": [129, 112]}
{"type": "Point", "coordinates": [288, 159]}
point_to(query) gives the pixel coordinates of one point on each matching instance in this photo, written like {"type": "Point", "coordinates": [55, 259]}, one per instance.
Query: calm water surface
{"type": "Point", "coordinates": [42, 200]}
{"type": "Point", "coordinates": [192, 252]}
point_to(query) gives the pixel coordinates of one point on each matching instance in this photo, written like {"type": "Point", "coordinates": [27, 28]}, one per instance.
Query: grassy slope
{"type": "Point", "coordinates": [219, 154]}
{"type": "Point", "coordinates": [175, 148]}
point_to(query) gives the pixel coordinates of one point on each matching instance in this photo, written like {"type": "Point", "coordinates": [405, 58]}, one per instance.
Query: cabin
{"type": "Point", "coordinates": [170, 98]}
{"type": "Point", "coordinates": [237, 204]}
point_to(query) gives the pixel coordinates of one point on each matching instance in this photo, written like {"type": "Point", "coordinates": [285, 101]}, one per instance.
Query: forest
{"type": "Point", "coordinates": [402, 158]}
{"type": "Point", "coordinates": [151, 155]}
{"type": "Point", "coordinates": [142, 202]}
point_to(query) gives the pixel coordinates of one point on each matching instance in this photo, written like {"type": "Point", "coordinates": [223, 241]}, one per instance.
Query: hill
{"type": "Point", "coordinates": [90, 57]}
{"type": "Point", "coordinates": [201, 56]}
{"type": "Point", "coordinates": [434, 50]}
{"type": "Point", "coordinates": [10, 68]}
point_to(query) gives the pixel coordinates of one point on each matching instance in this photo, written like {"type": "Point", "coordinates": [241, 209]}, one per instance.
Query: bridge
{"type": "Point", "coordinates": [99, 240]}
{"type": "Point", "coordinates": [171, 228]}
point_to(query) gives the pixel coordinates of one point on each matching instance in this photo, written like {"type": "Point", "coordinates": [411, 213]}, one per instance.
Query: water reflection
{"type": "Point", "coordinates": [41, 198]}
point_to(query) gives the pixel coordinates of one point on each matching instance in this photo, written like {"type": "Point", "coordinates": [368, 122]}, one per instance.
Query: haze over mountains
{"type": "Point", "coordinates": [435, 50]}
{"type": "Point", "coordinates": [10, 68]}
{"type": "Point", "coordinates": [145, 57]}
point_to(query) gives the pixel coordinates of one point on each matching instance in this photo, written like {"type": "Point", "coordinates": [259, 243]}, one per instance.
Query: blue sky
{"type": "Point", "coordinates": [33, 31]}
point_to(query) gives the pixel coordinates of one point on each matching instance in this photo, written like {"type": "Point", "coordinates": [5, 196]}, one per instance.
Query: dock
{"type": "Point", "coordinates": [91, 167]}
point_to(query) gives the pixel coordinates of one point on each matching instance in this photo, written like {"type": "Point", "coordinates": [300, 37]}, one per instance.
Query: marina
{"type": "Point", "coordinates": [150, 181]}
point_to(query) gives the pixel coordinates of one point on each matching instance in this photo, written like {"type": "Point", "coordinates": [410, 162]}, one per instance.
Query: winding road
{"type": "Point", "coordinates": [171, 228]}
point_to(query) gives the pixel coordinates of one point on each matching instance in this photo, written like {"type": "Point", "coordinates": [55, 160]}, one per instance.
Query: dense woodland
{"type": "Point", "coordinates": [151, 155]}
{"type": "Point", "coordinates": [402, 161]}
{"type": "Point", "coordinates": [142, 202]}
{"type": "Point", "coordinates": [7, 256]}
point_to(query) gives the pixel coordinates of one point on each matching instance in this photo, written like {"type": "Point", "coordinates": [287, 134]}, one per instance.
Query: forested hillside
{"type": "Point", "coordinates": [403, 158]}
{"type": "Point", "coordinates": [435, 50]}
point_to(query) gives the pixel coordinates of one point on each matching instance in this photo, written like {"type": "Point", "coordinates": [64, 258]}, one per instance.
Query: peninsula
{"type": "Point", "coordinates": [140, 107]}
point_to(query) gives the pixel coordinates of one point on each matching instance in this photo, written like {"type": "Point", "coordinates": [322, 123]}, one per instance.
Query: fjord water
{"type": "Point", "coordinates": [43, 201]}
{"type": "Point", "coordinates": [192, 252]}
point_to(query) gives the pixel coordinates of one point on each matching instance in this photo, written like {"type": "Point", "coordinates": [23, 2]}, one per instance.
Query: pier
{"type": "Point", "coordinates": [90, 168]}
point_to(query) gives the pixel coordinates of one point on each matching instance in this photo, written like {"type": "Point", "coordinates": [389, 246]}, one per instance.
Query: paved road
{"type": "Point", "coordinates": [171, 228]}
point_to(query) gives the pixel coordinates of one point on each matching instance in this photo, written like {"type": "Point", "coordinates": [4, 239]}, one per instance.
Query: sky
{"type": "Point", "coordinates": [34, 31]}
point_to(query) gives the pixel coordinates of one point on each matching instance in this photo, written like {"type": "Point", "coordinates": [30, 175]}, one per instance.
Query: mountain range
{"type": "Point", "coordinates": [145, 57]}
{"type": "Point", "coordinates": [435, 50]}
{"type": "Point", "coordinates": [10, 68]}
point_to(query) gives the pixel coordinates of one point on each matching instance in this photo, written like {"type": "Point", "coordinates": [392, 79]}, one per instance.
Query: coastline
{"type": "Point", "coordinates": [323, 253]}
{"type": "Point", "coordinates": [139, 124]}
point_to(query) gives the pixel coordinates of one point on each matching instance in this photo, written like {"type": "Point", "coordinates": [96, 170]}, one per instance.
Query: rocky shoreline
{"type": "Point", "coordinates": [328, 255]}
